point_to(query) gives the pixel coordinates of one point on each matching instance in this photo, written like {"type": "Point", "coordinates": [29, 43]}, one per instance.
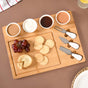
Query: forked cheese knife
{"type": "Point", "coordinates": [67, 51]}
{"type": "Point", "coordinates": [72, 44]}
{"type": "Point", "coordinates": [70, 34]}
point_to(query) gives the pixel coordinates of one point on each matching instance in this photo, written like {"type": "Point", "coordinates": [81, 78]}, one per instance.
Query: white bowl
{"type": "Point", "coordinates": [11, 24]}
{"type": "Point", "coordinates": [28, 24]}
{"type": "Point", "coordinates": [44, 16]}
{"type": "Point", "coordinates": [66, 13]}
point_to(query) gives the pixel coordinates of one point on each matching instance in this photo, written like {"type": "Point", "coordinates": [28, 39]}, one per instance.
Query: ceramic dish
{"type": "Point", "coordinates": [46, 15]}
{"type": "Point", "coordinates": [81, 79]}
{"type": "Point", "coordinates": [16, 33]}
{"type": "Point", "coordinates": [62, 17]}
{"type": "Point", "coordinates": [29, 25]}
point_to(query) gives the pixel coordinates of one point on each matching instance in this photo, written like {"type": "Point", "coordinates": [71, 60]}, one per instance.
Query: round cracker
{"type": "Point", "coordinates": [45, 61]}
{"type": "Point", "coordinates": [39, 57]}
{"type": "Point", "coordinates": [39, 40]}
{"type": "Point", "coordinates": [38, 46]}
{"type": "Point", "coordinates": [44, 50]}
{"type": "Point", "coordinates": [49, 43]}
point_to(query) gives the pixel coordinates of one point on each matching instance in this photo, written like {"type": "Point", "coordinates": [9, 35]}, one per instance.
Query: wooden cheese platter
{"type": "Point", "coordinates": [56, 58]}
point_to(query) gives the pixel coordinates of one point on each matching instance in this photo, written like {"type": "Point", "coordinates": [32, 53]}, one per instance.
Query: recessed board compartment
{"type": "Point", "coordinates": [52, 55]}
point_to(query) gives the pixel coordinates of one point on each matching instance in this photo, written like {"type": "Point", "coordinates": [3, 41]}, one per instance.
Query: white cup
{"type": "Point", "coordinates": [11, 24]}
{"type": "Point", "coordinates": [29, 25]}
{"type": "Point", "coordinates": [47, 16]}
{"type": "Point", "coordinates": [66, 13]}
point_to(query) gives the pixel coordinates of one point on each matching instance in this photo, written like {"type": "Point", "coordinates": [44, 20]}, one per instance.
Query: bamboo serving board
{"type": "Point", "coordinates": [57, 58]}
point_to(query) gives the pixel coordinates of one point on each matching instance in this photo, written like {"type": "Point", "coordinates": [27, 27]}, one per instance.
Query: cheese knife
{"type": "Point", "coordinates": [67, 51]}
{"type": "Point", "coordinates": [72, 44]}
{"type": "Point", "coordinates": [70, 34]}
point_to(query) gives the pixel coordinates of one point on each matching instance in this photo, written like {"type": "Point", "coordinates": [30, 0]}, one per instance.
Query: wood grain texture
{"type": "Point", "coordinates": [63, 59]}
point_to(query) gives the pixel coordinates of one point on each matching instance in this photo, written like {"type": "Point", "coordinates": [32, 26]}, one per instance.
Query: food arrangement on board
{"type": "Point", "coordinates": [43, 44]}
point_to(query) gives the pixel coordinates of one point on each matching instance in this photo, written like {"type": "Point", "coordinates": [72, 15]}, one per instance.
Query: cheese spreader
{"type": "Point", "coordinates": [67, 51]}
{"type": "Point", "coordinates": [72, 44]}
{"type": "Point", "coordinates": [70, 34]}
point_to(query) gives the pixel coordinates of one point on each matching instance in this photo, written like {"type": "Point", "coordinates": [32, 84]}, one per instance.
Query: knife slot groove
{"type": "Point", "coordinates": [65, 35]}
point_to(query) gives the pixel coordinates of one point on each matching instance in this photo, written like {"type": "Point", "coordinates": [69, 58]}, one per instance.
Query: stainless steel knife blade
{"type": "Point", "coordinates": [70, 34]}
{"type": "Point", "coordinates": [64, 40]}
{"type": "Point", "coordinates": [67, 51]}
{"type": "Point", "coordinates": [72, 44]}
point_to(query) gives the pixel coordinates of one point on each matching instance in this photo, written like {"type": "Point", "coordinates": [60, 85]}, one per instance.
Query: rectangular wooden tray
{"type": "Point", "coordinates": [57, 59]}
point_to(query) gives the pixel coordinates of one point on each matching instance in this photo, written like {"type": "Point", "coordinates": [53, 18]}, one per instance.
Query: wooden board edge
{"type": "Point", "coordinates": [43, 71]}
{"type": "Point", "coordinates": [78, 37]}
{"type": "Point", "coordinates": [10, 60]}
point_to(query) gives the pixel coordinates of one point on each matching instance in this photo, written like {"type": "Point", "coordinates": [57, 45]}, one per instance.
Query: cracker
{"type": "Point", "coordinates": [39, 57]}
{"type": "Point", "coordinates": [49, 43]}
{"type": "Point", "coordinates": [38, 46]}
{"type": "Point", "coordinates": [44, 50]}
{"type": "Point", "coordinates": [39, 40]}
{"type": "Point", "coordinates": [45, 61]}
